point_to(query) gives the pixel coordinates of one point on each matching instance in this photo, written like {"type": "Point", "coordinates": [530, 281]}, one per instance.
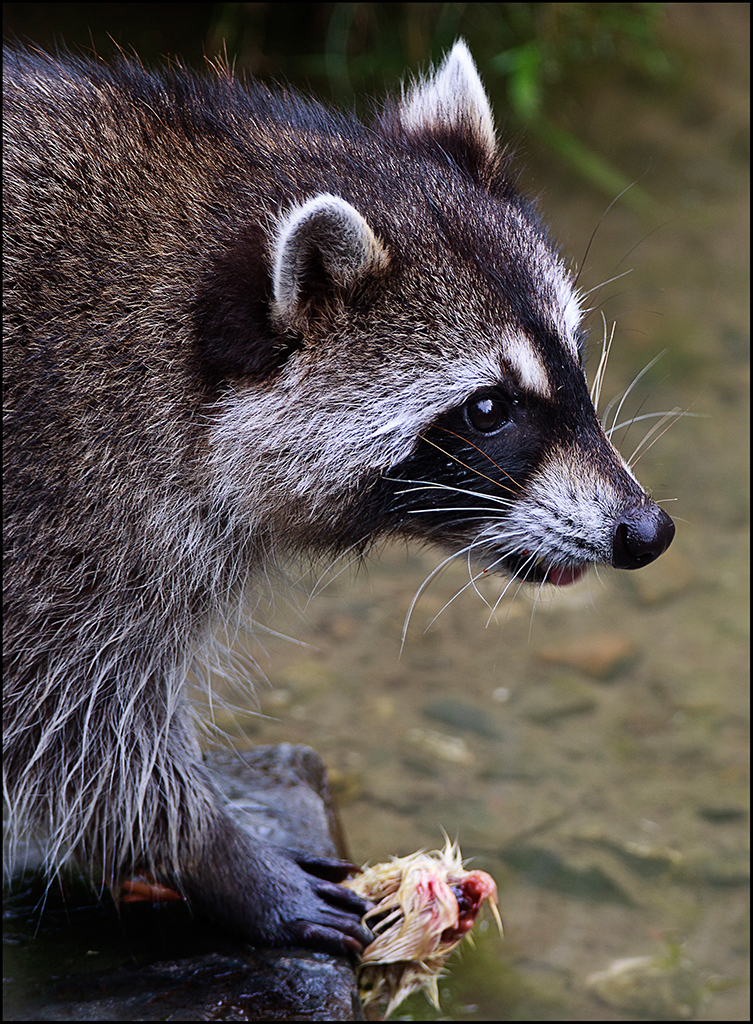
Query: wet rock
{"type": "Point", "coordinates": [79, 959]}
{"type": "Point", "coordinates": [644, 859]}
{"type": "Point", "coordinates": [259, 985]}
{"type": "Point", "coordinates": [602, 655]}
{"type": "Point", "coordinates": [722, 814]}
{"type": "Point", "coordinates": [459, 715]}
{"type": "Point", "coordinates": [439, 746]}
{"type": "Point", "coordinates": [559, 698]}
{"type": "Point", "coordinates": [578, 876]}
{"type": "Point", "coordinates": [658, 988]}
{"type": "Point", "coordinates": [280, 794]}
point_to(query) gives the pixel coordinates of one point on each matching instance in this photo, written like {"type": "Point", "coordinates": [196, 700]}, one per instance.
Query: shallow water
{"type": "Point", "coordinates": [587, 747]}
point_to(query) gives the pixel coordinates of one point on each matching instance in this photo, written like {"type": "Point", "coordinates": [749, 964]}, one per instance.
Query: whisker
{"type": "Point", "coordinates": [510, 582]}
{"type": "Point", "coordinates": [606, 347]}
{"type": "Point", "coordinates": [642, 240]}
{"type": "Point", "coordinates": [539, 592]}
{"type": "Point", "coordinates": [652, 415]}
{"type": "Point", "coordinates": [635, 380]}
{"type": "Point", "coordinates": [471, 469]}
{"type": "Point", "coordinates": [603, 284]}
{"type": "Point", "coordinates": [605, 415]}
{"type": "Point", "coordinates": [637, 411]}
{"type": "Point", "coordinates": [671, 423]}
{"type": "Point", "coordinates": [597, 574]}
{"type": "Point", "coordinates": [470, 583]}
{"type": "Point", "coordinates": [610, 298]}
{"type": "Point", "coordinates": [420, 485]}
{"type": "Point", "coordinates": [482, 452]}
{"type": "Point", "coordinates": [318, 587]}
{"type": "Point", "coordinates": [649, 433]}
{"type": "Point", "coordinates": [593, 233]}
{"type": "Point", "coordinates": [473, 578]}
{"type": "Point", "coordinates": [434, 572]}
{"type": "Point", "coordinates": [475, 513]}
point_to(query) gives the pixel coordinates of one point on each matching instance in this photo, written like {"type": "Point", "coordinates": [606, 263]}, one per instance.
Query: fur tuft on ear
{"type": "Point", "coordinates": [453, 100]}
{"type": "Point", "coordinates": [322, 243]}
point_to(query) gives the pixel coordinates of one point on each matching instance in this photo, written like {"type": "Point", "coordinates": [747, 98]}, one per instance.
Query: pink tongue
{"type": "Point", "coordinates": [564, 576]}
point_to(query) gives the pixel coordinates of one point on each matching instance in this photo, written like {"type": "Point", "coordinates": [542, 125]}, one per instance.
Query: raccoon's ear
{"type": "Point", "coordinates": [322, 244]}
{"type": "Point", "coordinates": [453, 102]}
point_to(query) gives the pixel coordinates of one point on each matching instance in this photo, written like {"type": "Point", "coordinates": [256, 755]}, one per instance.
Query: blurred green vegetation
{"type": "Point", "coordinates": [530, 53]}
{"type": "Point", "coordinates": [533, 50]}
{"type": "Point", "coordinates": [541, 62]}
{"type": "Point", "coordinates": [536, 59]}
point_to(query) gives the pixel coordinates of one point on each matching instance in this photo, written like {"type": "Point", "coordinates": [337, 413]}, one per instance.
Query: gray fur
{"type": "Point", "coordinates": [240, 327]}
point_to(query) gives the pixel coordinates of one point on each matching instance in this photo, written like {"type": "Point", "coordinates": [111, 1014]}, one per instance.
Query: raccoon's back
{"type": "Point", "coordinates": [108, 196]}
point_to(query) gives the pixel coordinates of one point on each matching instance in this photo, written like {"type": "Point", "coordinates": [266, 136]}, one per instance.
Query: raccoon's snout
{"type": "Point", "coordinates": [640, 536]}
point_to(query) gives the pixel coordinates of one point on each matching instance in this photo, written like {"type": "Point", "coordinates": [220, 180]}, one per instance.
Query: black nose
{"type": "Point", "coordinates": [641, 535]}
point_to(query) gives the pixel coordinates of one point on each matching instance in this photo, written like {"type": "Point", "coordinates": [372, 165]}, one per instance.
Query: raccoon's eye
{"type": "Point", "coordinates": [487, 414]}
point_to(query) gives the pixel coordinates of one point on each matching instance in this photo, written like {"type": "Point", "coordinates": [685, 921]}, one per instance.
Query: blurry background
{"type": "Point", "coordinates": [588, 747]}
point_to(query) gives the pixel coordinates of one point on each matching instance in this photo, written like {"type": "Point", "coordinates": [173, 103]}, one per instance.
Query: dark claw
{"type": "Point", "coordinates": [344, 898]}
{"type": "Point", "coordinates": [347, 925]}
{"type": "Point", "coordinates": [327, 940]}
{"type": "Point", "coordinates": [326, 867]}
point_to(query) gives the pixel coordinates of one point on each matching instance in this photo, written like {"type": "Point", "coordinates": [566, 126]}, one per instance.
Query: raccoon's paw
{"type": "Point", "coordinates": [274, 897]}
{"type": "Point", "coordinates": [322, 915]}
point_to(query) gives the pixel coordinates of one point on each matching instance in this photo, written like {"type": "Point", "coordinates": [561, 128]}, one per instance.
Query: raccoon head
{"type": "Point", "coordinates": [434, 385]}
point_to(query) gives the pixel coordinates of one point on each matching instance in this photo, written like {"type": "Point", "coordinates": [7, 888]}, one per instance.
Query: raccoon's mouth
{"type": "Point", "coordinates": [541, 570]}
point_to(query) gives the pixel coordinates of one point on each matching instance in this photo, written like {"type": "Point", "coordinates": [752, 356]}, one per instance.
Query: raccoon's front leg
{"type": "Point", "coordinates": [267, 895]}
{"type": "Point", "coordinates": [273, 896]}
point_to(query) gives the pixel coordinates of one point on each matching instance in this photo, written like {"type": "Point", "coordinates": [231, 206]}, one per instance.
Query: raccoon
{"type": "Point", "coordinates": [239, 327]}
